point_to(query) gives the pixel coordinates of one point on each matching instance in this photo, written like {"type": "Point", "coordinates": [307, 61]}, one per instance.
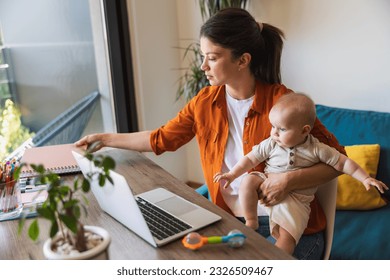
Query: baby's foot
{"type": "Point", "coordinates": [254, 224]}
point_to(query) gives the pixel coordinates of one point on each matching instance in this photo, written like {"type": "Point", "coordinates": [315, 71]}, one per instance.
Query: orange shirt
{"type": "Point", "coordinates": [205, 117]}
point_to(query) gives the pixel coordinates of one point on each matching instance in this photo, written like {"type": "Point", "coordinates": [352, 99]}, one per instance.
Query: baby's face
{"type": "Point", "coordinates": [286, 132]}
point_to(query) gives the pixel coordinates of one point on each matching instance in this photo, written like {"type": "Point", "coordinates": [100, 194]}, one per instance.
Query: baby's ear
{"type": "Point", "coordinates": [306, 129]}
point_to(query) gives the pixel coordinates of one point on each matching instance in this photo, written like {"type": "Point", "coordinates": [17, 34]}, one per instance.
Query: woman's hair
{"type": "Point", "coordinates": [237, 30]}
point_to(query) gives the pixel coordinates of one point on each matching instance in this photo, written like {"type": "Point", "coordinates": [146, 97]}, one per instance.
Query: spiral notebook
{"type": "Point", "coordinates": [55, 158]}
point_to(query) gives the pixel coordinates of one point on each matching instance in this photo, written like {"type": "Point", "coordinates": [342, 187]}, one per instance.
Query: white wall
{"type": "Point", "coordinates": [190, 21]}
{"type": "Point", "coordinates": [154, 34]}
{"type": "Point", "coordinates": [336, 51]}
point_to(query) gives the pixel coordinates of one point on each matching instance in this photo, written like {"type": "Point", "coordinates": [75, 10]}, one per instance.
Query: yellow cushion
{"type": "Point", "coordinates": [351, 194]}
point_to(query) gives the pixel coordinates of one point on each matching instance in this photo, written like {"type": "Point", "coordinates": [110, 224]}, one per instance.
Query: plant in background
{"type": "Point", "coordinates": [193, 79]}
{"type": "Point", "coordinates": [12, 131]}
{"type": "Point", "coordinates": [210, 7]}
{"type": "Point", "coordinates": [64, 205]}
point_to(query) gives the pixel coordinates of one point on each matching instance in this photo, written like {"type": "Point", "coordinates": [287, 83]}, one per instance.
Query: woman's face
{"type": "Point", "coordinates": [218, 65]}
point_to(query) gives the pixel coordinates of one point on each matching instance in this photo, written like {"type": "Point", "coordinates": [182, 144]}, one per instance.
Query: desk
{"type": "Point", "coordinates": [142, 175]}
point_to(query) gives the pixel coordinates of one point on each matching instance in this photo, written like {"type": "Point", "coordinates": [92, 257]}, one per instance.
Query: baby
{"type": "Point", "coordinates": [290, 147]}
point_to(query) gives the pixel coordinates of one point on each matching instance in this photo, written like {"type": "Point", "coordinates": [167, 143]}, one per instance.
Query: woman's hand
{"type": "Point", "coordinates": [274, 189]}
{"type": "Point", "coordinates": [92, 142]}
{"type": "Point", "coordinates": [277, 186]}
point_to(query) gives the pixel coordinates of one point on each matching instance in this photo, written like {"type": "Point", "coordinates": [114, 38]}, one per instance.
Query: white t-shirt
{"type": "Point", "coordinates": [237, 112]}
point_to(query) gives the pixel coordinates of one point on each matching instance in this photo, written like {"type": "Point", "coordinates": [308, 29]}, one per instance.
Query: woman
{"type": "Point", "coordinates": [242, 63]}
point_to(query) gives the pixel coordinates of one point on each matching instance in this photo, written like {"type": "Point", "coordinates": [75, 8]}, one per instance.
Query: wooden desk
{"type": "Point", "coordinates": [142, 174]}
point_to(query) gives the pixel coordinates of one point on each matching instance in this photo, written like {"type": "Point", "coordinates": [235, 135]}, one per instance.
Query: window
{"type": "Point", "coordinates": [62, 57]}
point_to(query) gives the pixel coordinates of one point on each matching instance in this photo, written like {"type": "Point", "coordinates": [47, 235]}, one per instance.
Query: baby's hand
{"type": "Point", "coordinates": [223, 176]}
{"type": "Point", "coordinates": [368, 182]}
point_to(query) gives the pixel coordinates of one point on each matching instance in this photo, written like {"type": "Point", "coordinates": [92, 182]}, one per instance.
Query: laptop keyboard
{"type": "Point", "coordinates": [161, 223]}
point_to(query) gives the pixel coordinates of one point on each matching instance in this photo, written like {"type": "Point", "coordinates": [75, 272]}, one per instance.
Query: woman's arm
{"type": "Point", "coordinates": [137, 141]}
{"type": "Point", "coordinates": [278, 185]}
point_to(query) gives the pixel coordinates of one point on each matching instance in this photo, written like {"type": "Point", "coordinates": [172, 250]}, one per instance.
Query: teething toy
{"type": "Point", "coordinates": [194, 240]}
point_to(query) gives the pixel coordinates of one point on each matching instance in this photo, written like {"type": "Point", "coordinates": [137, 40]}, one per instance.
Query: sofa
{"type": "Point", "coordinates": [362, 220]}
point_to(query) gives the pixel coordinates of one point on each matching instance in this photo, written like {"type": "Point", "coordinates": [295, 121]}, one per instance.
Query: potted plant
{"type": "Point", "coordinates": [69, 237]}
{"type": "Point", "coordinates": [193, 79]}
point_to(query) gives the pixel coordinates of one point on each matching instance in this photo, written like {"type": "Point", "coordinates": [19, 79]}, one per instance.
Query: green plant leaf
{"type": "Point", "coordinates": [108, 163]}
{"type": "Point", "coordinates": [86, 186]}
{"type": "Point", "coordinates": [102, 180]}
{"type": "Point", "coordinates": [46, 213]}
{"type": "Point", "coordinates": [70, 222]}
{"type": "Point", "coordinates": [71, 203]}
{"type": "Point", "coordinates": [53, 229]}
{"type": "Point", "coordinates": [38, 168]}
{"type": "Point", "coordinates": [33, 230]}
{"type": "Point", "coordinates": [21, 223]}
{"type": "Point", "coordinates": [64, 190]}
{"type": "Point", "coordinates": [110, 179]}
{"type": "Point", "coordinates": [17, 170]}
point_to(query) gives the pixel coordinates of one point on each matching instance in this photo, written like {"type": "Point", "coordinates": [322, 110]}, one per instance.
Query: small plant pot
{"type": "Point", "coordinates": [100, 252]}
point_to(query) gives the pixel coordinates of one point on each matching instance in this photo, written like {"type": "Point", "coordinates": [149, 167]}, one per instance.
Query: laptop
{"type": "Point", "coordinates": [158, 216]}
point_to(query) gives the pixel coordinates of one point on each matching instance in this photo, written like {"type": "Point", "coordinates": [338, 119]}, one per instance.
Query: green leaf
{"type": "Point", "coordinates": [38, 168]}
{"type": "Point", "coordinates": [110, 179]}
{"type": "Point", "coordinates": [22, 221]}
{"type": "Point", "coordinates": [108, 163]}
{"type": "Point", "coordinates": [17, 170]}
{"type": "Point", "coordinates": [89, 156]}
{"type": "Point", "coordinates": [46, 213]}
{"type": "Point", "coordinates": [102, 180]}
{"type": "Point", "coordinates": [85, 186]}
{"type": "Point", "coordinates": [64, 190]}
{"type": "Point", "coordinates": [70, 222]}
{"type": "Point", "coordinates": [33, 230]}
{"type": "Point", "coordinates": [53, 229]}
{"type": "Point", "coordinates": [71, 203]}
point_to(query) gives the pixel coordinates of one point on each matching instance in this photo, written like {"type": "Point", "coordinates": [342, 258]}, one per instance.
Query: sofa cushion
{"type": "Point", "coordinates": [361, 235]}
{"type": "Point", "coordinates": [352, 127]}
{"type": "Point", "coordinates": [351, 193]}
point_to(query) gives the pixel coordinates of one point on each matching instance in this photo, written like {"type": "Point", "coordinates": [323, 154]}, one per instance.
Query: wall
{"type": "Point", "coordinates": [335, 51]}
{"type": "Point", "coordinates": [154, 34]}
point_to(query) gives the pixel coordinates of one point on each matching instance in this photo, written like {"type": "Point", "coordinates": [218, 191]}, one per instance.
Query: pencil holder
{"type": "Point", "coordinates": [10, 200]}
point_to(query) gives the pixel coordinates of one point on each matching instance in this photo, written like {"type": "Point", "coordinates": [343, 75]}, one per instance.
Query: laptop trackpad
{"type": "Point", "coordinates": [176, 206]}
